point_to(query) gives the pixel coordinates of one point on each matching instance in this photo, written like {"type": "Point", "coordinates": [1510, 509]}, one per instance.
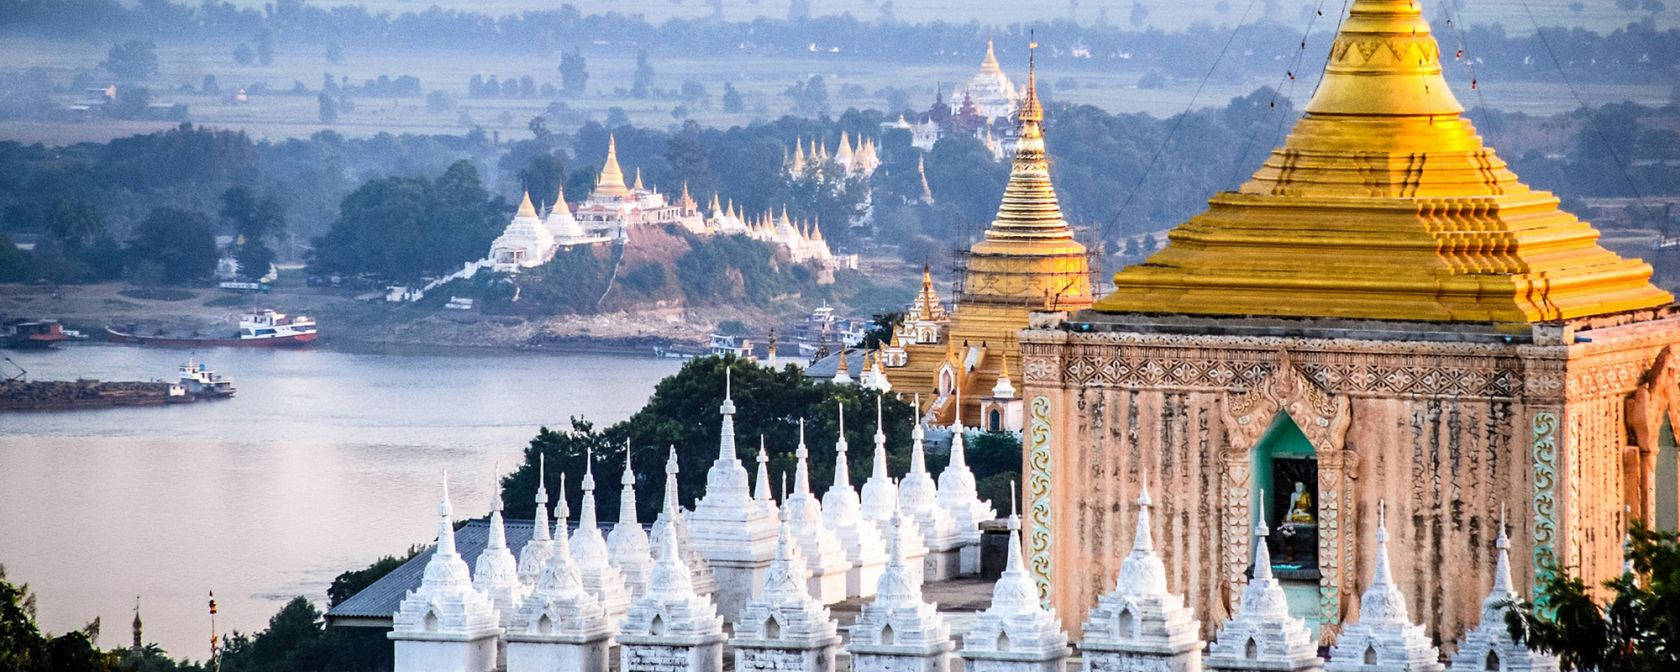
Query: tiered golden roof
{"type": "Point", "coordinates": [1384, 204]}
{"type": "Point", "coordinates": [611, 180]}
{"type": "Point", "coordinates": [1027, 261]}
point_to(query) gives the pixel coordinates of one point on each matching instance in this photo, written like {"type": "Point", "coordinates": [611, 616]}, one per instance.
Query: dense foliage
{"type": "Point", "coordinates": [1636, 630]}
{"type": "Point", "coordinates": [407, 227]}
{"type": "Point", "coordinates": [683, 414]}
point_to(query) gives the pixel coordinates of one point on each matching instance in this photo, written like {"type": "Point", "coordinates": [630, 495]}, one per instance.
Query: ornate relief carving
{"type": "Point", "coordinates": [1655, 400]}
{"type": "Point", "coordinates": [1038, 496]}
{"type": "Point", "coordinates": [1544, 458]}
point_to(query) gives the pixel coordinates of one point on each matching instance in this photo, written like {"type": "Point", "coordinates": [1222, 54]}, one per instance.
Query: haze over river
{"type": "Point", "coordinates": [323, 462]}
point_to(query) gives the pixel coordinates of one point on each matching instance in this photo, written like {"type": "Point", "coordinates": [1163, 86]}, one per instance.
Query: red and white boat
{"type": "Point", "coordinates": [262, 329]}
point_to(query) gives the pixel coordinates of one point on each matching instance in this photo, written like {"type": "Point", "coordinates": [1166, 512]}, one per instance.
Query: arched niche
{"type": "Point", "coordinates": [1649, 471]}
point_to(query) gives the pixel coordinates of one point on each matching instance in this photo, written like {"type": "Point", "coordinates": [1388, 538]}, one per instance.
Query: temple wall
{"type": "Point", "coordinates": [1446, 433]}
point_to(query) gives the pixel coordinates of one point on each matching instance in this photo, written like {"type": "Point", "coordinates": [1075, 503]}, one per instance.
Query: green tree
{"type": "Point", "coordinates": [14, 264]}
{"type": "Point", "coordinates": [181, 240]}
{"type": "Point", "coordinates": [405, 228]}
{"type": "Point", "coordinates": [542, 176]}
{"type": "Point", "coordinates": [335, 53]}
{"type": "Point", "coordinates": [243, 54]}
{"type": "Point", "coordinates": [131, 60]}
{"type": "Point", "coordinates": [1636, 630]}
{"type": "Point", "coordinates": [265, 47]}
{"type": "Point", "coordinates": [732, 99]}
{"type": "Point", "coordinates": [574, 72]}
{"type": "Point", "coordinates": [644, 75]}
{"type": "Point", "coordinates": [24, 648]}
{"type": "Point", "coordinates": [328, 108]}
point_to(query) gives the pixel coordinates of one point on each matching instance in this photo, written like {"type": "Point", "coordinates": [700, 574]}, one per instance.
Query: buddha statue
{"type": "Point", "coordinates": [1300, 506]}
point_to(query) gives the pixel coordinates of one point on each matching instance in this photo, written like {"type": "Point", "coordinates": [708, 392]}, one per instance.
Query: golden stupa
{"type": "Point", "coordinates": [1028, 261]}
{"type": "Point", "coordinates": [610, 183]}
{"type": "Point", "coordinates": [1384, 204]}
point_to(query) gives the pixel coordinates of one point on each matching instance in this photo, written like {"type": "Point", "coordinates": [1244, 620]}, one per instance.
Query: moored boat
{"type": "Point", "coordinates": [32, 334]}
{"type": "Point", "coordinates": [199, 381]}
{"type": "Point", "coordinates": [264, 328]}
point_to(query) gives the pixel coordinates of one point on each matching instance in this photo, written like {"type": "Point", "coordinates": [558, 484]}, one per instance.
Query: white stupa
{"type": "Point", "coordinates": [824, 556]}
{"type": "Point", "coordinates": [1140, 625]}
{"type": "Point", "coordinates": [560, 626]}
{"type": "Point", "coordinates": [534, 554]}
{"type": "Point", "coordinates": [445, 623]}
{"type": "Point", "coordinates": [958, 496]}
{"type": "Point", "coordinates": [1489, 645]}
{"type": "Point", "coordinates": [589, 550]}
{"type": "Point", "coordinates": [880, 492]}
{"type": "Point", "coordinates": [1384, 639]}
{"type": "Point", "coordinates": [910, 545]}
{"type": "Point", "coordinates": [1016, 633]}
{"type": "Point", "coordinates": [495, 572]}
{"type": "Point", "coordinates": [627, 542]}
{"type": "Point", "coordinates": [524, 243]}
{"type": "Point", "coordinates": [761, 484]}
{"type": "Point", "coordinates": [899, 631]}
{"type": "Point", "coordinates": [918, 498]}
{"type": "Point", "coordinates": [670, 627]}
{"type": "Point", "coordinates": [672, 521]}
{"type": "Point", "coordinates": [784, 628]}
{"type": "Point", "coordinates": [1262, 635]}
{"type": "Point", "coordinates": [842, 512]}
{"type": "Point", "coordinates": [737, 537]}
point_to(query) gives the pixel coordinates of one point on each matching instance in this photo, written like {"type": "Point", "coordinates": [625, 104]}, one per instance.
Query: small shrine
{"type": "Point", "coordinates": [842, 511]}
{"type": "Point", "coordinates": [918, 499]}
{"type": "Point", "coordinates": [784, 628]}
{"type": "Point", "coordinates": [560, 626]}
{"type": "Point", "coordinates": [589, 550]}
{"type": "Point", "coordinates": [1262, 636]}
{"type": "Point", "coordinates": [670, 627]}
{"type": "Point", "coordinates": [445, 623]}
{"type": "Point", "coordinates": [1016, 633]}
{"type": "Point", "coordinates": [898, 631]}
{"type": "Point", "coordinates": [1140, 625]}
{"type": "Point", "coordinates": [1384, 638]}
{"type": "Point", "coordinates": [1489, 646]}
{"type": "Point", "coordinates": [737, 537]}
{"type": "Point", "coordinates": [824, 556]}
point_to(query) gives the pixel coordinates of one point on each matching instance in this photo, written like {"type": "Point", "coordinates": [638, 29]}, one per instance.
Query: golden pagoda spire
{"type": "Point", "coordinates": [611, 180]}
{"type": "Point", "coordinates": [798, 155]}
{"type": "Point", "coordinates": [638, 185]}
{"type": "Point", "coordinates": [559, 197]}
{"type": "Point", "coordinates": [816, 232]}
{"type": "Point", "coordinates": [525, 207]}
{"type": "Point", "coordinates": [990, 64]}
{"type": "Point", "coordinates": [1383, 203]}
{"type": "Point", "coordinates": [1029, 209]}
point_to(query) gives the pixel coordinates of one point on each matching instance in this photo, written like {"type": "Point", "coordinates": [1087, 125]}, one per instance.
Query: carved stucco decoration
{"type": "Point", "coordinates": [1324, 418]}
{"type": "Point", "coordinates": [1656, 399]}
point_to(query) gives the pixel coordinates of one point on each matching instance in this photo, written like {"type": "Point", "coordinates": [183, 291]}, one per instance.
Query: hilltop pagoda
{"type": "Point", "coordinates": [1382, 311]}
{"type": "Point", "coordinates": [1027, 261]}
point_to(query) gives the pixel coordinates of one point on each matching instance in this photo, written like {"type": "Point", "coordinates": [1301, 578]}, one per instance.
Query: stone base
{"type": "Point", "coordinates": [1119, 661]}
{"type": "Point", "coordinates": [706, 657]}
{"type": "Point", "coordinates": [422, 655]}
{"type": "Point", "coordinates": [1004, 664]}
{"type": "Point", "coordinates": [550, 656]}
{"type": "Point", "coordinates": [828, 588]}
{"type": "Point", "coordinates": [968, 558]}
{"type": "Point", "coordinates": [880, 662]}
{"type": "Point", "coordinates": [942, 565]}
{"type": "Point", "coordinates": [861, 580]}
{"type": "Point", "coordinates": [736, 585]}
{"type": "Point", "coordinates": [1312, 665]}
{"type": "Point", "coordinates": [755, 659]}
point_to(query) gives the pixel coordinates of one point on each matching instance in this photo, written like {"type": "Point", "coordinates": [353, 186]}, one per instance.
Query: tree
{"type": "Point", "coordinates": [692, 90]}
{"type": "Point", "coordinates": [328, 108]}
{"type": "Point", "coordinates": [810, 97]}
{"type": "Point", "coordinates": [210, 87]}
{"type": "Point", "coordinates": [542, 176]}
{"type": "Point", "coordinates": [265, 47]}
{"type": "Point", "coordinates": [74, 224]}
{"type": "Point", "coordinates": [24, 648]}
{"type": "Point", "coordinates": [1140, 14]}
{"type": "Point", "coordinates": [732, 99]}
{"type": "Point", "coordinates": [132, 60]}
{"type": "Point", "coordinates": [243, 54]}
{"type": "Point", "coordinates": [14, 264]}
{"type": "Point", "coordinates": [181, 240]}
{"type": "Point", "coordinates": [574, 72]}
{"type": "Point", "coordinates": [406, 228]}
{"type": "Point", "coordinates": [335, 53]}
{"type": "Point", "coordinates": [1636, 630]}
{"type": "Point", "coordinates": [644, 75]}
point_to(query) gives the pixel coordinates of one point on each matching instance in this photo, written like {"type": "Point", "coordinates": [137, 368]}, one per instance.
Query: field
{"type": "Point", "coordinates": [280, 114]}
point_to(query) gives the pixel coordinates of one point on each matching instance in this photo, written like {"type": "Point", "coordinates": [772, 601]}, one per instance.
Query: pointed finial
{"type": "Point", "coordinates": [629, 477]}
{"type": "Point", "coordinates": [542, 488]}
{"type": "Point", "coordinates": [495, 489]}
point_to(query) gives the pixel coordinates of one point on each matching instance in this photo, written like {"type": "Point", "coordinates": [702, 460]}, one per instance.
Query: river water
{"type": "Point", "coordinates": [323, 462]}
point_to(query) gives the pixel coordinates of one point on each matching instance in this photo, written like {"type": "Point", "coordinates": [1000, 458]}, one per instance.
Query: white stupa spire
{"type": "Point", "coordinates": [958, 493]}
{"type": "Point", "coordinates": [918, 499]}
{"type": "Point", "coordinates": [672, 521]}
{"type": "Point", "coordinates": [559, 621]}
{"type": "Point", "coordinates": [589, 550]}
{"type": "Point", "coordinates": [761, 484]}
{"type": "Point", "coordinates": [898, 629]}
{"type": "Point", "coordinates": [535, 552]}
{"type": "Point", "coordinates": [880, 494]}
{"type": "Point", "coordinates": [1489, 645]}
{"type": "Point", "coordinates": [671, 622]}
{"type": "Point", "coordinates": [1384, 636]}
{"type": "Point", "coordinates": [736, 536]}
{"type": "Point", "coordinates": [1016, 629]}
{"type": "Point", "coordinates": [842, 512]}
{"type": "Point", "coordinates": [446, 607]}
{"type": "Point", "coordinates": [495, 572]}
{"type": "Point", "coordinates": [627, 543]}
{"type": "Point", "coordinates": [1140, 625]}
{"type": "Point", "coordinates": [1262, 634]}
{"type": "Point", "coordinates": [784, 628]}
{"type": "Point", "coordinates": [824, 555]}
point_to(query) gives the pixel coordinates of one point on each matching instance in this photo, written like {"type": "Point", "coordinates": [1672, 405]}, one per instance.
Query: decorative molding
{"type": "Point", "coordinates": [1544, 458]}
{"type": "Point", "coordinates": [1038, 496]}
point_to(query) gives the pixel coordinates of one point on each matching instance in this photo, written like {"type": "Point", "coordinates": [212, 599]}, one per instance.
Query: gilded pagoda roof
{"type": "Point", "coordinates": [611, 180]}
{"type": "Point", "coordinates": [1384, 203]}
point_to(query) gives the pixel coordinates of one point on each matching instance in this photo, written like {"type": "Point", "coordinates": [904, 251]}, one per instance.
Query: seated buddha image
{"type": "Point", "coordinates": [1301, 506]}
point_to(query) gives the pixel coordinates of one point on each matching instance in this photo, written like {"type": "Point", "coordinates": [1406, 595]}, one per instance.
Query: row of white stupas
{"type": "Point", "coordinates": [849, 160]}
{"type": "Point", "coordinates": [612, 209]}
{"type": "Point", "coordinates": [771, 570]}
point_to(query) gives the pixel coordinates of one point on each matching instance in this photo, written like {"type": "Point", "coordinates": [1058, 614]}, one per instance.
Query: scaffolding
{"type": "Point", "coordinates": [965, 293]}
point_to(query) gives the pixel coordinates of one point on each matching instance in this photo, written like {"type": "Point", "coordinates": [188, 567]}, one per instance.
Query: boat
{"type": "Point", "coordinates": [263, 328]}
{"type": "Point", "coordinates": [199, 381]}
{"type": "Point", "coordinates": [33, 334]}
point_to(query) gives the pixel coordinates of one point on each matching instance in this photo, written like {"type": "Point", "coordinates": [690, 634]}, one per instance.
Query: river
{"type": "Point", "coordinates": [323, 462]}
